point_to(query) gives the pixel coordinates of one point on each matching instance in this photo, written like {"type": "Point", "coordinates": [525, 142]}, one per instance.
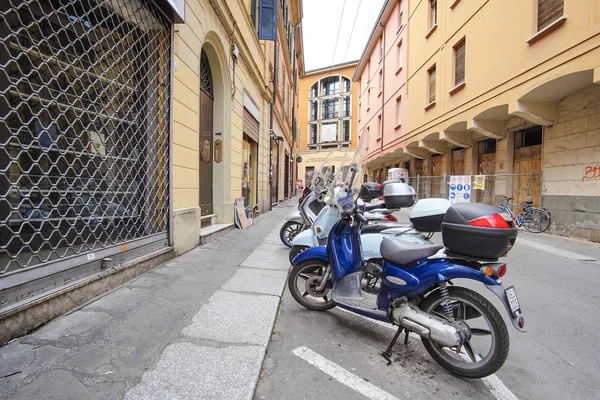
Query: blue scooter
{"type": "Point", "coordinates": [460, 329]}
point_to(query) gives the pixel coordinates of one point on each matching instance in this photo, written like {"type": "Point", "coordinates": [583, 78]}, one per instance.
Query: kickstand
{"type": "Point", "coordinates": [406, 341]}
{"type": "Point", "coordinates": [387, 354]}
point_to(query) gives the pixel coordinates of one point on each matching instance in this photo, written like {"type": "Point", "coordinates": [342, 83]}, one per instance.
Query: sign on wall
{"type": "Point", "coordinates": [460, 189]}
{"type": "Point", "coordinates": [329, 132]}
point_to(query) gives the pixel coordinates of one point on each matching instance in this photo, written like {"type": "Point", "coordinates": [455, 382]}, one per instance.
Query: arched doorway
{"type": "Point", "coordinates": [206, 135]}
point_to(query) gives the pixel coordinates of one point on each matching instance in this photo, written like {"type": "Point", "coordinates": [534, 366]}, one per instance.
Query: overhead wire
{"type": "Point", "coordinates": [352, 31]}
{"type": "Point", "coordinates": [338, 32]}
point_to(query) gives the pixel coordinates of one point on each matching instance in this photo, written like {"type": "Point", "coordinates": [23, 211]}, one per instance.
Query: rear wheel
{"type": "Point", "coordinates": [487, 345]}
{"type": "Point", "coordinates": [535, 220]}
{"type": "Point", "coordinates": [288, 232]}
{"type": "Point", "coordinates": [295, 250]}
{"type": "Point", "coordinates": [303, 281]}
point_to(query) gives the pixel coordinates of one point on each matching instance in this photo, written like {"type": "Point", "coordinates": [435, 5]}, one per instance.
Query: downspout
{"type": "Point", "coordinates": [294, 125]}
{"type": "Point", "coordinates": [271, 110]}
{"type": "Point", "coordinates": [383, 87]}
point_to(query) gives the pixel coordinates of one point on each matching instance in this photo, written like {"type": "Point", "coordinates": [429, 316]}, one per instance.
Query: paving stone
{"type": "Point", "coordinates": [74, 324]}
{"type": "Point", "coordinates": [235, 318]}
{"type": "Point", "coordinates": [121, 300]}
{"type": "Point", "coordinates": [253, 280]}
{"type": "Point", "coordinates": [180, 375]}
{"type": "Point", "coordinates": [269, 256]}
{"type": "Point", "coordinates": [62, 385]}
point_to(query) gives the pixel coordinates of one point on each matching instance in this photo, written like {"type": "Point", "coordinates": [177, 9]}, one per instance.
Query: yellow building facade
{"type": "Point", "coordinates": [326, 118]}
{"type": "Point", "coordinates": [223, 34]}
{"type": "Point", "coordinates": [504, 89]}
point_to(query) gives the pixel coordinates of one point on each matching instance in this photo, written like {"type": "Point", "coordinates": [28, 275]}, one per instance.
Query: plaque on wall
{"type": "Point", "coordinates": [218, 150]}
{"type": "Point", "coordinates": [205, 150]}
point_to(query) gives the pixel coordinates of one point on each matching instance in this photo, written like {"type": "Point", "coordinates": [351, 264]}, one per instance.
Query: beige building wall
{"type": "Point", "coordinates": [215, 26]}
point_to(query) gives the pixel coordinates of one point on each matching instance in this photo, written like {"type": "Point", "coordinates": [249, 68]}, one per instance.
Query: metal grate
{"type": "Point", "coordinates": [84, 125]}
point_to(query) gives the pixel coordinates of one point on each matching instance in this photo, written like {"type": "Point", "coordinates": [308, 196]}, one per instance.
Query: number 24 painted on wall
{"type": "Point", "coordinates": [591, 172]}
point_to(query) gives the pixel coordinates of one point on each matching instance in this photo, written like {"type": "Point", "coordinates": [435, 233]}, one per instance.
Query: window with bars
{"type": "Point", "coordinates": [459, 63]}
{"type": "Point", "coordinates": [431, 84]}
{"type": "Point", "coordinates": [548, 12]}
{"type": "Point", "coordinates": [432, 13]}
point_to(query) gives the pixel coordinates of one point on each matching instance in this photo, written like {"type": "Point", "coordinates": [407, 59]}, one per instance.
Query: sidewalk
{"type": "Point", "coordinates": [196, 327]}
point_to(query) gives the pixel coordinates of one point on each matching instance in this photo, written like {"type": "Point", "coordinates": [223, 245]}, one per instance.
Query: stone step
{"type": "Point", "coordinates": [214, 231]}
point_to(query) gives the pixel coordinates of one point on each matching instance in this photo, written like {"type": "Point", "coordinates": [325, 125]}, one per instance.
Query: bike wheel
{"type": "Point", "coordinates": [303, 281]}
{"type": "Point", "coordinates": [295, 250]}
{"type": "Point", "coordinates": [536, 220]}
{"type": "Point", "coordinates": [288, 232]}
{"type": "Point", "coordinates": [486, 348]}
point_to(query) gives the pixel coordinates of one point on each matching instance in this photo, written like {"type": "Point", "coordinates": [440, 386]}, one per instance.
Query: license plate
{"type": "Point", "coordinates": [513, 301]}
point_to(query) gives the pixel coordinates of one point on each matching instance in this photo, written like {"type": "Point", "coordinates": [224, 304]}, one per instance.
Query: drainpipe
{"type": "Point", "coordinates": [383, 88]}
{"type": "Point", "coordinates": [271, 110]}
{"type": "Point", "coordinates": [294, 125]}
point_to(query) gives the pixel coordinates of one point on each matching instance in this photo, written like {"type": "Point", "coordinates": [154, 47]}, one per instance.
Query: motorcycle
{"type": "Point", "coordinates": [460, 329]}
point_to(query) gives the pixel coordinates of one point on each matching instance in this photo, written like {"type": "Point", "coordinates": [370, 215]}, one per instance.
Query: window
{"type": "Point", "coordinates": [400, 14]}
{"type": "Point", "coordinates": [369, 71]}
{"type": "Point", "coordinates": [398, 111]}
{"type": "Point", "coordinates": [254, 13]}
{"type": "Point", "coordinates": [368, 99]}
{"type": "Point", "coordinates": [314, 90]}
{"type": "Point", "coordinates": [312, 129]}
{"type": "Point", "coordinates": [346, 130]}
{"type": "Point", "coordinates": [548, 12]}
{"type": "Point", "coordinates": [432, 85]}
{"type": "Point", "coordinates": [380, 49]}
{"type": "Point", "coordinates": [346, 109]}
{"type": "Point", "coordinates": [379, 126]}
{"type": "Point", "coordinates": [380, 82]}
{"type": "Point", "coordinates": [487, 146]}
{"type": "Point", "coordinates": [432, 13]}
{"type": "Point", "coordinates": [283, 99]}
{"type": "Point", "coordinates": [347, 85]}
{"type": "Point", "coordinates": [528, 137]}
{"type": "Point", "coordinates": [331, 108]}
{"type": "Point", "coordinates": [459, 63]}
{"type": "Point", "coordinates": [313, 116]}
{"type": "Point", "coordinates": [359, 110]}
{"type": "Point", "coordinates": [399, 56]}
{"type": "Point", "coordinates": [330, 85]}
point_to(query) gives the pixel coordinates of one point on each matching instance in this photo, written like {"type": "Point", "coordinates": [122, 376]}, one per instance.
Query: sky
{"type": "Point", "coordinates": [321, 24]}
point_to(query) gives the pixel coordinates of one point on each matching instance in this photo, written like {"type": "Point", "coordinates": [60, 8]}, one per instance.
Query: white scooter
{"type": "Point", "coordinates": [426, 216]}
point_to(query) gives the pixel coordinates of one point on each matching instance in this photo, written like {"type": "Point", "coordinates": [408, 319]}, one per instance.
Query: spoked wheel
{"type": "Point", "coordinates": [295, 250]}
{"type": "Point", "coordinates": [288, 232]}
{"type": "Point", "coordinates": [536, 220]}
{"type": "Point", "coordinates": [487, 344]}
{"type": "Point", "coordinates": [303, 282]}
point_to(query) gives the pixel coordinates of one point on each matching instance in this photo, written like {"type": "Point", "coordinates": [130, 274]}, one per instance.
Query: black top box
{"type": "Point", "coordinates": [477, 231]}
{"type": "Point", "coordinates": [369, 191]}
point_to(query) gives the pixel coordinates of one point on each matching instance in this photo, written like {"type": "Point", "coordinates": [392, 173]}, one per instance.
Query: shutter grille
{"type": "Point", "coordinates": [548, 12]}
{"type": "Point", "coordinates": [251, 126]}
{"type": "Point", "coordinates": [459, 76]}
{"type": "Point", "coordinates": [432, 85]}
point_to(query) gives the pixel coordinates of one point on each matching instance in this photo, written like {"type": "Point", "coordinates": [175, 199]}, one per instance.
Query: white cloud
{"type": "Point", "coordinates": [320, 28]}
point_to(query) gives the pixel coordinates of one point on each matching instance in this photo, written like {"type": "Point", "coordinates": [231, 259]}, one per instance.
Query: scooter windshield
{"type": "Point", "coordinates": [321, 174]}
{"type": "Point", "coordinates": [353, 177]}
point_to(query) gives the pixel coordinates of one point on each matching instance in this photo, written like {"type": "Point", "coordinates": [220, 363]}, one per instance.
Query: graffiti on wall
{"type": "Point", "coordinates": [591, 172]}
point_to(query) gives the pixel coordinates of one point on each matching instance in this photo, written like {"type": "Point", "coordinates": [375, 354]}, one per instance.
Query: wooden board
{"type": "Point", "coordinates": [527, 160]}
{"type": "Point", "coordinates": [458, 162]}
{"type": "Point", "coordinates": [241, 213]}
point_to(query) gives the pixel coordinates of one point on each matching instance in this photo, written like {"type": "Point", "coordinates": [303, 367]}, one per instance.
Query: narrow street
{"type": "Point", "coordinates": [557, 358]}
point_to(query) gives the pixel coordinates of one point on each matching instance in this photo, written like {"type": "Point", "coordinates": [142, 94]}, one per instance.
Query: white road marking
{"type": "Point", "coordinates": [555, 251]}
{"type": "Point", "coordinates": [343, 375]}
{"type": "Point", "coordinates": [492, 382]}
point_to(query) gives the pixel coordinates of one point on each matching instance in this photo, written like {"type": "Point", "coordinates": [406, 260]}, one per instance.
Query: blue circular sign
{"type": "Point", "coordinates": [459, 187]}
{"type": "Point", "coordinates": [467, 187]}
{"type": "Point", "coordinates": [466, 196]}
{"type": "Point", "coordinates": [452, 195]}
{"type": "Point", "coordinates": [453, 187]}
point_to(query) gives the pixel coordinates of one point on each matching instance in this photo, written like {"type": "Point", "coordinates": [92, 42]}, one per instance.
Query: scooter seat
{"type": "Point", "coordinates": [374, 206]}
{"type": "Point", "coordinates": [378, 227]}
{"type": "Point", "coordinates": [401, 252]}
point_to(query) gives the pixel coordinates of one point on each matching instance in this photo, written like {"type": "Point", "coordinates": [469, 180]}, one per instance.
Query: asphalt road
{"type": "Point", "coordinates": [558, 358]}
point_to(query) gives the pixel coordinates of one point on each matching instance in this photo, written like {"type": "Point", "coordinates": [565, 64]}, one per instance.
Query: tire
{"type": "Point", "coordinates": [295, 250]}
{"type": "Point", "coordinates": [288, 232]}
{"type": "Point", "coordinates": [542, 218]}
{"type": "Point", "coordinates": [499, 334]}
{"type": "Point", "coordinates": [317, 267]}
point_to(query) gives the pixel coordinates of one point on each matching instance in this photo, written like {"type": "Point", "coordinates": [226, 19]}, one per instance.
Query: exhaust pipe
{"type": "Point", "coordinates": [426, 325]}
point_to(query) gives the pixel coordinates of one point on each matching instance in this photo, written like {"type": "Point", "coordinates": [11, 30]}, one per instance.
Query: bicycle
{"type": "Point", "coordinates": [534, 219]}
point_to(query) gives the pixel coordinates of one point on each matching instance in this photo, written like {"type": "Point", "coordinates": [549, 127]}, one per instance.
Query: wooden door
{"type": "Point", "coordinates": [206, 136]}
{"type": "Point", "coordinates": [527, 160]}
{"type": "Point", "coordinates": [458, 162]}
{"type": "Point", "coordinates": [286, 188]}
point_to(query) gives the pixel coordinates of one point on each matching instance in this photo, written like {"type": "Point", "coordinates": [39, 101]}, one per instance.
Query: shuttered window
{"type": "Point", "coordinates": [432, 85]}
{"type": "Point", "coordinates": [548, 12]}
{"type": "Point", "coordinates": [459, 70]}
{"type": "Point", "coordinates": [432, 13]}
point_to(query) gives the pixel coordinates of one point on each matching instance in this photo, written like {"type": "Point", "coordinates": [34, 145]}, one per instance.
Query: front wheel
{"type": "Point", "coordinates": [303, 283]}
{"type": "Point", "coordinates": [288, 232]}
{"type": "Point", "coordinates": [486, 347]}
{"type": "Point", "coordinates": [295, 250]}
{"type": "Point", "coordinates": [536, 220]}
